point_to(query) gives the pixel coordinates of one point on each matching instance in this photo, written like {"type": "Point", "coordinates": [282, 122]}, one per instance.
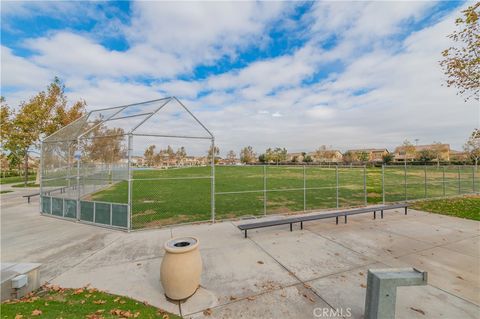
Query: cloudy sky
{"type": "Point", "coordinates": [266, 74]}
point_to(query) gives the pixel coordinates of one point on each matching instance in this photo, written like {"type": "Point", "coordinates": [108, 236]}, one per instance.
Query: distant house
{"type": "Point", "coordinates": [374, 154]}
{"type": "Point", "coordinates": [402, 153]}
{"type": "Point", "coordinates": [326, 156]}
{"type": "Point", "coordinates": [459, 156]}
{"type": "Point", "coordinates": [295, 157]}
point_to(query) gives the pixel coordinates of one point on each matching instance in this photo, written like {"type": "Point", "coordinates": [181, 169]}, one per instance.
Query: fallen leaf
{"type": "Point", "coordinates": [360, 273]}
{"type": "Point", "coordinates": [116, 299]}
{"type": "Point", "coordinates": [78, 291]}
{"type": "Point", "coordinates": [207, 312]}
{"type": "Point", "coordinates": [233, 298]}
{"type": "Point", "coordinates": [460, 277]}
{"type": "Point", "coordinates": [36, 312]}
{"type": "Point", "coordinates": [250, 298]}
{"type": "Point", "coordinates": [82, 301]}
{"type": "Point", "coordinates": [99, 302]}
{"type": "Point", "coordinates": [18, 316]}
{"type": "Point", "coordinates": [260, 262]}
{"type": "Point", "coordinates": [307, 286]}
{"type": "Point", "coordinates": [99, 311]}
{"type": "Point", "coordinates": [418, 310]}
{"type": "Point", "coordinates": [363, 285]}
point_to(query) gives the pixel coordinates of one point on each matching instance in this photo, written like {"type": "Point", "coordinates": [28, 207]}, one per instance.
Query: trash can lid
{"type": "Point", "coordinates": [181, 244]}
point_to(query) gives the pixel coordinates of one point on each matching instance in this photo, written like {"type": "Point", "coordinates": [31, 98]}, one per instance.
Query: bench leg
{"type": "Point", "coordinates": [336, 220]}
{"type": "Point", "coordinates": [301, 225]}
{"type": "Point", "coordinates": [405, 210]}
{"type": "Point", "coordinates": [245, 233]}
{"type": "Point", "coordinates": [381, 212]}
{"type": "Point", "coordinates": [345, 219]}
{"type": "Point", "coordinates": [374, 215]}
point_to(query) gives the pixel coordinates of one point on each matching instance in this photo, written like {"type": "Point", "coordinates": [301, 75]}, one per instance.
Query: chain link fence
{"type": "Point", "coordinates": [124, 167]}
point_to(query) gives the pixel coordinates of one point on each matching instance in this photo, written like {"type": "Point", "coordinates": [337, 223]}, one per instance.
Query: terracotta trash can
{"type": "Point", "coordinates": [181, 268]}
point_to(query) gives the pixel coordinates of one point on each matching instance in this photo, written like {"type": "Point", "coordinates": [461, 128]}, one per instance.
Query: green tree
{"type": "Point", "coordinates": [461, 61]}
{"type": "Point", "coordinates": [472, 146]}
{"type": "Point", "coordinates": [387, 158]}
{"type": "Point", "coordinates": [307, 159]}
{"type": "Point", "coordinates": [349, 157]}
{"type": "Point", "coordinates": [247, 155]}
{"type": "Point", "coordinates": [41, 116]}
{"type": "Point", "coordinates": [149, 155]}
{"type": "Point", "coordinates": [425, 156]}
{"type": "Point", "coordinates": [363, 157]}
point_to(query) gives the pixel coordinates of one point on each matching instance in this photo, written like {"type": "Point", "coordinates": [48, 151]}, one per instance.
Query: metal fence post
{"type": "Point", "coordinates": [444, 192]}
{"type": "Point", "coordinates": [212, 178]}
{"type": "Point", "coordinates": [405, 182]}
{"type": "Point", "coordinates": [383, 184]}
{"type": "Point", "coordinates": [304, 190]}
{"type": "Point", "coordinates": [459, 181]}
{"type": "Point", "coordinates": [78, 157]}
{"type": "Point", "coordinates": [129, 171]}
{"type": "Point", "coordinates": [336, 176]}
{"type": "Point", "coordinates": [40, 177]}
{"type": "Point", "coordinates": [425, 179]}
{"type": "Point", "coordinates": [473, 179]}
{"type": "Point", "coordinates": [365, 184]}
{"type": "Point", "coordinates": [264, 189]}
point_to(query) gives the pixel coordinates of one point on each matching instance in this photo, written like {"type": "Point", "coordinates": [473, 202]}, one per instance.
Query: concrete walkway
{"type": "Point", "coordinates": [274, 273]}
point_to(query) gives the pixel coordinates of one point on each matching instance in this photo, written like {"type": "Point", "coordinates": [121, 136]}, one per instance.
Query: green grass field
{"type": "Point", "coordinates": [56, 302]}
{"type": "Point", "coordinates": [160, 197]}
{"type": "Point", "coordinates": [463, 207]}
{"type": "Point", "coordinates": [15, 179]}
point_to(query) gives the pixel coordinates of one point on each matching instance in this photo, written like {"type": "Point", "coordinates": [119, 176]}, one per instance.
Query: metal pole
{"type": "Point", "coordinates": [444, 193]}
{"type": "Point", "coordinates": [405, 182]}
{"type": "Point", "coordinates": [213, 181]}
{"type": "Point", "coordinates": [383, 183]}
{"type": "Point", "coordinates": [336, 176]}
{"type": "Point", "coordinates": [40, 178]}
{"type": "Point", "coordinates": [78, 178]}
{"type": "Point", "coordinates": [264, 189]}
{"type": "Point", "coordinates": [473, 179]}
{"type": "Point", "coordinates": [365, 183]}
{"type": "Point", "coordinates": [304, 190]}
{"type": "Point", "coordinates": [129, 170]}
{"type": "Point", "coordinates": [459, 182]}
{"type": "Point", "coordinates": [425, 179]}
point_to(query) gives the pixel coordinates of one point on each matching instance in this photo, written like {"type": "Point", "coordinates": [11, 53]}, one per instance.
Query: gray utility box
{"type": "Point", "coordinates": [382, 289]}
{"type": "Point", "coordinates": [18, 279]}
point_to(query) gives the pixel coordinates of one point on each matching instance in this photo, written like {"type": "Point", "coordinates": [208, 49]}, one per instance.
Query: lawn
{"type": "Point", "coordinates": [16, 179]}
{"type": "Point", "coordinates": [56, 302]}
{"type": "Point", "coordinates": [161, 197]}
{"type": "Point", "coordinates": [463, 207]}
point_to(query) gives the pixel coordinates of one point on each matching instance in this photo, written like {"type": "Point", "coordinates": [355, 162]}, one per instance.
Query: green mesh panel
{"type": "Point", "coordinates": [57, 206]}
{"type": "Point", "coordinates": [86, 211]}
{"type": "Point", "coordinates": [70, 208]}
{"type": "Point", "coordinates": [120, 215]}
{"type": "Point", "coordinates": [102, 213]}
{"type": "Point", "coordinates": [46, 204]}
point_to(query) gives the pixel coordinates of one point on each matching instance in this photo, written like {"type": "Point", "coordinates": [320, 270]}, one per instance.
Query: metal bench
{"type": "Point", "coordinates": [301, 219]}
{"type": "Point", "coordinates": [61, 189]}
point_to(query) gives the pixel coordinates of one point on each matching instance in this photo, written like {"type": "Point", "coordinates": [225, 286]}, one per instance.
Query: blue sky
{"type": "Point", "coordinates": [293, 74]}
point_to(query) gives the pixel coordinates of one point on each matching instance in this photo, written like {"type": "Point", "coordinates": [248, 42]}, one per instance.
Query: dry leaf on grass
{"type": "Point", "coordinates": [99, 302]}
{"type": "Point", "coordinates": [36, 312]}
{"type": "Point", "coordinates": [18, 316]}
{"type": "Point", "coordinates": [78, 291]}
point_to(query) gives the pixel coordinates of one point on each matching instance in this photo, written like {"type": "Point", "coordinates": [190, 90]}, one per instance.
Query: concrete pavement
{"type": "Point", "coordinates": [273, 273]}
